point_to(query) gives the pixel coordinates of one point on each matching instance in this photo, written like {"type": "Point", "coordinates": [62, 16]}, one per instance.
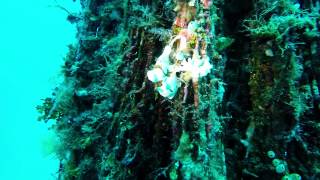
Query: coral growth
{"type": "Point", "coordinates": [190, 89]}
{"type": "Point", "coordinates": [186, 54]}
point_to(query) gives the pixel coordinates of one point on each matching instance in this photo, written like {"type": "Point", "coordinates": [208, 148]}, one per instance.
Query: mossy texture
{"type": "Point", "coordinates": [260, 95]}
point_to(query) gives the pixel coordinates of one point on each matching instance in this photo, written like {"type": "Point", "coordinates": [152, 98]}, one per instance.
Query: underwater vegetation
{"type": "Point", "coordinates": [190, 89]}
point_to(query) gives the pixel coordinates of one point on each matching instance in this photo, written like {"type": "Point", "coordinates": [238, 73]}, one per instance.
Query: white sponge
{"type": "Point", "coordinates": [155, 75]}
{"type": "Point", "coordinates": [169, 87]}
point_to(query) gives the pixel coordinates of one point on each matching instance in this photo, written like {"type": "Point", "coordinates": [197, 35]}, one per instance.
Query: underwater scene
{"type": "Point", "coordinates": [160, 89]}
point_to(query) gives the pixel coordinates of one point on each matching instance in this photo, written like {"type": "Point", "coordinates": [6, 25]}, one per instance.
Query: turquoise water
{"type": "Point", "coordinates": [33, 40]}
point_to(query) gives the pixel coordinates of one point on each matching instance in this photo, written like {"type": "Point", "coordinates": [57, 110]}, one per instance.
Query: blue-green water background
{"type": "Point", "coordinates": [33, 41]}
